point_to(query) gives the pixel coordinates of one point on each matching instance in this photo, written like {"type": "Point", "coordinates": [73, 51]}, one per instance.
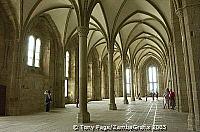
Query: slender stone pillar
{"type": "Point", "coordinates": [179, 63]}
{"type": "Point", "coordinates": [137, 80]}
{"type": "Point", "coordinates": [90, 90]}
{"type": "Point", "coordinates": [83, 115]}
{"type": "Point", "coordinates": [136, 83]}
{"type": "Point", "coordinates": [191, 115]}
{"type": "Point", "coordinates": [124, 78]}
{"type": "Point", "coordinates": [98, 82]}
{"type": "Point", "coordinates": [191, 10]}
{"type": "Point", "coordinates": [120, 85]}
{"type": "Point", "coordinates": [103, 91]}
{"type": "Point", "coordinates": [173, 68]}
{"type": "Point", "coordinates": [132, 84]}
{"type": "Point", "coordinates": [112, 105]}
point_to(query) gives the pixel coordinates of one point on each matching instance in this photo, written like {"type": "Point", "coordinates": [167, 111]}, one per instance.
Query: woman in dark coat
{"type": "Point", "coordinates": [48, 100]}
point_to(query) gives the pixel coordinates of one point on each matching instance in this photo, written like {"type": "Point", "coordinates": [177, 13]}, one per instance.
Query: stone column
{"type": "Point", "coordinates": [60, 90]}
{"type": "Point", "coordinates": [103, 94]}
{"type": "Point", "coordinates": [144, 82]}
{"type": "Point", "coordinates": [168, 81]}
{"type": "Point", "coordinates": [191, 9]}
{"type": "Point", "coordinates": [120, 84]}
{"type": "Point", "coordinates": [112, 105]}
{"type": "Point", "coordinates": [116, 85]}
{"type": "Point", "coordinates": [83, 115]}
{"type": "Point", "coordinates": [165, 77]}
{"type": "Point", "coordinates": [136, 83]}
{"type": "Point", "coordinates": [132, 84]}
{"type": "Point", "coordinates": [90, 90]}
{"type": "Point", "coordinates": [98, 82]}
{"type": "Point", "coordinates": [191, 115]}
{"type": "Point", "coordinates": [124, 78]}
{"type": "Point", "coordinates": [179, 62]}
{"type": "Point", "coordinates": [137, 80]}
{"type": "Point", "coordinates": [161, 82]}
{"type": "Point", "coordinates": [174, 73]}
{"type": "Point", "coordinates": [77, 72]}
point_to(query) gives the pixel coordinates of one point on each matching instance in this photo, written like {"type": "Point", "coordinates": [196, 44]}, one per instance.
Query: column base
{"type": "Point", "coordinates": [96, 99]}
{"type": "Point", "coordinates": [197, 123]}
{"type": "Point", "coordinates": [191, 122]}
{"type": "Point", "coordinates": [126, 101]}
{"type": "Point", "coordinates": [112, 107]}
{"type": "Point", "coordinates": [84, 117]}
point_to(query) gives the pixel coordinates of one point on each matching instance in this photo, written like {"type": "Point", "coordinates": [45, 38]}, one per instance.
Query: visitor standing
{"type": "Point", "coordinates": [48, 100]}
{"type": "Point", "coordinates": [172, 99]}
{"type": "Point", "coordinates": [166, 98]}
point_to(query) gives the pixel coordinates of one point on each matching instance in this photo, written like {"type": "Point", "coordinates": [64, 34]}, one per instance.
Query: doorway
{"type": "Point", "coordinates": [2, 100]}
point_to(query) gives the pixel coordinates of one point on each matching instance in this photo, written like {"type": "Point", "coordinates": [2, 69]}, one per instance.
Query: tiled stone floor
{"type": "Point", "coordinates": [135, 114]}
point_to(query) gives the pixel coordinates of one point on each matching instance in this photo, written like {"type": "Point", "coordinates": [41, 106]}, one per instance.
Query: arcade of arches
{"type": "Point", "coordinates": [89, 50]}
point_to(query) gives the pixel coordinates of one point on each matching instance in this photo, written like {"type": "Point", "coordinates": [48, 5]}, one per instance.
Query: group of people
{"type": "Point", "coordinates": [153, 95]}
{"type": "Point", "coordinates": [169, 99]}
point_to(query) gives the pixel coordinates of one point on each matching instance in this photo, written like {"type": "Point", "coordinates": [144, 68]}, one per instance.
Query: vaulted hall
{"type": "Point", "coordinates": [95, 62]}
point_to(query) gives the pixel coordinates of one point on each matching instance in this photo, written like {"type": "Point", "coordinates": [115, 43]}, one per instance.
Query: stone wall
{"type": "Point", "coordinates": [144, 83]}
{"type": "Point", "coordinates": [191, 15]}
{"type": "Point", "coordinates": [8, 61]}
{"type": "Point", "coordinates": [35, 80]}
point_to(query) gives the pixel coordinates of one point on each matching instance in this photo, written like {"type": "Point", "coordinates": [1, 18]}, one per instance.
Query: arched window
{"type": "Point", "coordinates": [31, 47]}
{"type": "Point", "coordinates": [67, 64]}
{"type": "Point", "coordinates": [66, 72]}
{"type": "Point", "coordinates": [33, 51]}
{"type": "Point", "coordinates": [37, 53]}
{"type": "Point", "coordinates": [153, 81]}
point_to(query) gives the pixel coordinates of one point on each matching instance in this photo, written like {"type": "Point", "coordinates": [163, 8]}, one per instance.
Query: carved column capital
{"type": "Point", "coordinates": [9, 42]}
{"type": "Point", "coordinates": [110, 50]}
{"type": "Point", "coordinates": [179, 13]}
{"type": "Point", "coordinates": [83, 31]}
{"type": "Point", "coordinates": [110, 47]}
{"type": "Point", "coordinates": [124, 56]}
{"type": "Point", "coordinates": [170, 44]}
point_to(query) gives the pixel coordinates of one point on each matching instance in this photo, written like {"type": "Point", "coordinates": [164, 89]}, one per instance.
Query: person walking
{"type": "Point", "coordinates": [157, 95]}
{"type": "Point", "coordinates": [77, 102]}
{"type": "Point", "coordinates": [146, 96]}
{"type": "Point", "coordinates": [153, 94]}
{"type": "Point", "coordinates": [139, 97]}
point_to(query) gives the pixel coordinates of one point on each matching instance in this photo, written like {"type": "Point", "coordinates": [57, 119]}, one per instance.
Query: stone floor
{"type": "Point", "coordinates": [137, 115]}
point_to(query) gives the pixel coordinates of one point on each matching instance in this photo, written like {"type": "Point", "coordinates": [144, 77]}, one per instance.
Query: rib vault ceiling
{"type": "Point", "coordinates": [139, 28]}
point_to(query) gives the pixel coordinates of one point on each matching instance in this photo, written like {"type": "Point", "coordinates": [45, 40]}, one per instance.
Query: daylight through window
{"type": "Point", "coordinates": [33, 51]}
{"type": "Point", "coordinates": [153, 81]}
{"type": "Point", "coordinates": [66, 73]}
